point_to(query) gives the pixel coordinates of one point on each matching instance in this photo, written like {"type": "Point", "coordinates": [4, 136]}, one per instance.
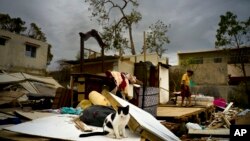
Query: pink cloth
{"type": "Point", "coordinates": [220, 102]}
{"type": "Point", "coordinates": [122, 82]}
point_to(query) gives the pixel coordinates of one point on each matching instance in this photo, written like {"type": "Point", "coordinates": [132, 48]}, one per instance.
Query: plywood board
{"type": "Point", "coordinates": [9, 96]}
{"type": "Point", "coordinates": [61, 127]}
{"type": "Point", "coordinates": [219, 131]}
{"type": "Point", "coordinates": [177, 112]}
{"type": "Point", "coordinates": [13, 136]}
{"type": "Point", "coordinates": [33, 114]}
{"type": "Point", "coordinates": [142, 122]}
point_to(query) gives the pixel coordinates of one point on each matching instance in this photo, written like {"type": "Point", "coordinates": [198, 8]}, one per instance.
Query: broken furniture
{"type": "Point", "coordinates": [62, 98]}
{"type": "Point", "coordinates": [87, 83]}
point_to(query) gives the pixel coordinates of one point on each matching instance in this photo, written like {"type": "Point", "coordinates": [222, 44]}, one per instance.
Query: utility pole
{"type": "Point", "coordinates": [81, 51]}
{"type": "Point", "coordinates": [144, 45]}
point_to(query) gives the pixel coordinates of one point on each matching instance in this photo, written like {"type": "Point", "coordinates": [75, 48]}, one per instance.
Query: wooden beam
{"type": "Point", "coordinates": [226, 121]}
{"type": "Point", "coordinates": [219, 131]}
{"type": "Point", "coordinates": [228, 107]}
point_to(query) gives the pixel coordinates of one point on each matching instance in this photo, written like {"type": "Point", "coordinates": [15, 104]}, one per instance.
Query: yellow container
{"type": "Point", "coordinates": [84, 104]}
{"type": "Point", "coordinates": [98, 99]}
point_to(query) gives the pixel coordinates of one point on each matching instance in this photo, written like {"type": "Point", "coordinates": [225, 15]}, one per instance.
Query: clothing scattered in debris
{"type": "Point", "coordinates": [71, 110]}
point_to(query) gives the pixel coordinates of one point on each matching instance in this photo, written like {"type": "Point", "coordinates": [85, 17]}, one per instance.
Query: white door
{"type": "Point", "coordinates": [163, 84]}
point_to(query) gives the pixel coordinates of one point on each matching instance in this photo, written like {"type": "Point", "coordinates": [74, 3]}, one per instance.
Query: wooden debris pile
{"type": "Point", "coordinates": [225, 118]}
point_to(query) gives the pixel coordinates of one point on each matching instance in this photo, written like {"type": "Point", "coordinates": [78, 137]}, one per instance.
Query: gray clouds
{"type": "Point", "coordinates": [193, 22]}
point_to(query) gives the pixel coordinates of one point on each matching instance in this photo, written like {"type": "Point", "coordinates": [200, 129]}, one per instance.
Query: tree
{"type": "Point", "coordinates": [156, 39]}
{"type": "Point", "coordinates": [15, 25]}
{"type": "Point", "coordinates": [114, 28]}
{"type": "Point", "coordinates": [35, 32]}
{"type": "Point", "coordinates": [78, 55]}
{"type": "Point", "coordinates": [50, 55]}
{"type": "Point", "coordinates": [233, 33]}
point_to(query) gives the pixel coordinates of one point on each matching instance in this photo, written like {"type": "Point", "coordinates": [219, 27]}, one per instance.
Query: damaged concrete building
{"type": "Point", "coordinates": [20, 53]}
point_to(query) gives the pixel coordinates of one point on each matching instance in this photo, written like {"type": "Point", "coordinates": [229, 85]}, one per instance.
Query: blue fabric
{"type": "Point", "coordinates": [71, 110]}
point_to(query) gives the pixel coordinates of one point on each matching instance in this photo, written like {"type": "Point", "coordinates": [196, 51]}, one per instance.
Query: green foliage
{"type": "Point", "coordinates": [157, 39]}
{"type": "Point", "coordinates": [78, 55]}
{"type": "Point", "coordinates": [50, 55]}
{"type": "Point", "coordinates": [115, 40]}
{"type": "Point", "coordinates": [232, 32]}
{"type": "Point", "coordinates": [238, 96]}
{"type": "Point", "coordinates": [116, 18]}
{"type": "Point", "coordinates": [15, 25]}
{"type": "Point", "coordinates": [175, 75]}
{"type": "Point", "coordinates": [36, 33]}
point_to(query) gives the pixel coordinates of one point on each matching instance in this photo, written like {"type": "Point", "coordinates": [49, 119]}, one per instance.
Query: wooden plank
{"type": "Point", "coordinates": [219, 131]}
{"type": "Point", "coordinates": [178, 112]}
{"type": "Point", "coordinates": [148, 126]}
{"type": "Point", "coordinates": [226, 121]}
{"type": "Point", "coordinates": [215, 125]}
{"type": "Point", "coordinates": [228, 107]}
{"type": "Point", "coordinates": [9, 96]}
{"type": "Point", "coordinates": [62, 98]}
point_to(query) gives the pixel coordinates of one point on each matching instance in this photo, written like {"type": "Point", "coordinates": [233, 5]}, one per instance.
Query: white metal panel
{"type": "Point", "coordinates": [6, 78]}
{"type": "Point", "coordinates": [163, 84]}
{"type": "Point", "coordinates": [147, 121]}
{"type": "Point", "coordinates": [61, 127]}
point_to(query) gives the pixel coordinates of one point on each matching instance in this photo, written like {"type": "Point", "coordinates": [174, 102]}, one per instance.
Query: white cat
{"type": "Point", "coordinates": [114, 125]}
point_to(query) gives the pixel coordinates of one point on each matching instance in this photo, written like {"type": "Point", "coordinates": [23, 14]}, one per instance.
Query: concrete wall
{"type": "Point", "coordinates": [235, 70]}
{"type": "Point", "coordinates": [126, 66]}
{"type": "Point", "coordinates": [154, 58]}
{"type": "Point", "coordinates": [217, 91]}
{"type": "Point", "coordinates": [212, 77]}
{"type": "Point", "coordinates": [208, 72]}
{"type": "Point", "coordinates": [13, 56]}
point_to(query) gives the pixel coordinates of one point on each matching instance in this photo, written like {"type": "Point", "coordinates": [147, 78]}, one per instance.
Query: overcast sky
{"type": "Point", "coordinates": [193, 22]}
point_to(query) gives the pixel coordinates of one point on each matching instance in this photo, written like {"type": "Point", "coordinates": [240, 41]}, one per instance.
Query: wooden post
{"type": "Point", "coordinates": [81, 51]}
{"type": "Point", "coordinates": [144, 45]}
{"type": "Point", "coordinates": [71, 90]}
{"type": "Point", "coordinates": [102, 58]}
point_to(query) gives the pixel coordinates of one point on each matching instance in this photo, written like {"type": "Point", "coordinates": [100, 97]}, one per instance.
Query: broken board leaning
{"type": "Point", "coordinates": [9, 96]}
{"type": "Point", "coordinates": [142, 122]}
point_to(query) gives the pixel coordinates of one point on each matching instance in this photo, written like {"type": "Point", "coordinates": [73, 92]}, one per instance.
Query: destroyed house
{"type": "Point", "coordinates": [153, 72]}
{"type": "Point", "coordinates": [22, 54]}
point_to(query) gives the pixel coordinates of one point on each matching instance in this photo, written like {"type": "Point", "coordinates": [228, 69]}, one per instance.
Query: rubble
{"type": "Point", "coordinates": [224, 119]}
{"type": "Point", "coordinates": [22, 87]}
